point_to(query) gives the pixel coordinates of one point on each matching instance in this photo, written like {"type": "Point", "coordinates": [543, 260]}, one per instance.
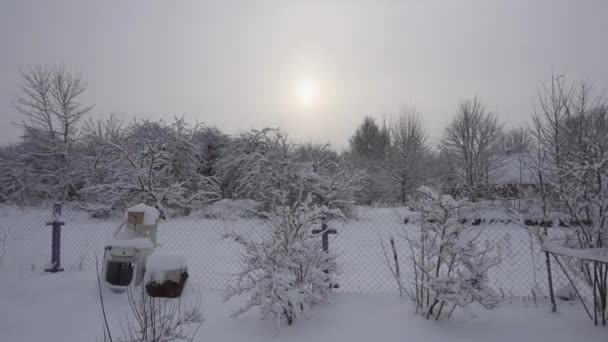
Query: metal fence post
{"type": "Point", "coordinates": [56, 223]}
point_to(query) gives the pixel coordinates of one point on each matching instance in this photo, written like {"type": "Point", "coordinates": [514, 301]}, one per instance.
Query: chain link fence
{"type": "Point", "coordinates": [25, 246]}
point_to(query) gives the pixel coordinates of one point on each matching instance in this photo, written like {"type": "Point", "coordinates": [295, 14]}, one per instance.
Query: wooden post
{"type": "Point", "coordinates": [56, 223]}
{"type": "Point", "coordinates": [324, 231]}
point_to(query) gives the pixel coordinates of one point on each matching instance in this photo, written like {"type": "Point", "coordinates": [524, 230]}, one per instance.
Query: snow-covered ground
{"type": "Point", "coordinates": [212, 260]}
{"type": "Point", "coordinates": [64, 307]}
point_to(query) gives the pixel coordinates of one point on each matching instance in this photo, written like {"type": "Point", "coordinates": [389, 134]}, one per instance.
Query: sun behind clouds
{"type": "Point", "coordinates": [308, 92]}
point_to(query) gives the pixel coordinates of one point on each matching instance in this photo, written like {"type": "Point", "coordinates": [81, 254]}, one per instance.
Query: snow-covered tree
{"type": "Point", "coordinates": [15, 182]}
{"type": "Point", "coordinates": [257, 164]}
{"type": "Point", "coordinates": [209, 143]}
{"type": "Point", "coordinates": [569, 160]}
{"type": "Point", "coordinates": [332, 181]}
{"type": "Point", "coordinates": [261, 164]}
{"type": "Point", "coordinates": [546, 161]}
{"type": "Point", "coordinates": [450, 261]}
{"type": "Point", "coordinates": [580, 180]}
{"type": "Point", "coordinates": [320, 157]}
{"type": "Point", "coordinates": [152, 162]}
{"type": "Point", "coordinates": [285, 271]}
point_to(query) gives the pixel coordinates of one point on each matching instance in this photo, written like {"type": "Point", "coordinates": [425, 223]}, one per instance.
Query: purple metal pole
{"type": "Point", "coordinates": [56, 239]}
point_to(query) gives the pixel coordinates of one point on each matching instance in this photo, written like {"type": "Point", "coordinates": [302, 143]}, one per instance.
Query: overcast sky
{"type": "Point", "coordinates": [236, 64]}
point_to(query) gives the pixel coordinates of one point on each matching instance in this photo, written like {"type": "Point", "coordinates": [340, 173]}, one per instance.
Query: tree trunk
{"type": "Point", "coordinates": [403, 197]}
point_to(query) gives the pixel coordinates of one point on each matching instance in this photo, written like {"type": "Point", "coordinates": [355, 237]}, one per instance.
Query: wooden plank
{"type": "Point", "coordinates": [591, 254]}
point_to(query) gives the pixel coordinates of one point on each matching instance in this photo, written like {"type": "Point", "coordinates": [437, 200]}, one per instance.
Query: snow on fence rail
{"type": "Point", "coordinates": [25, 246]}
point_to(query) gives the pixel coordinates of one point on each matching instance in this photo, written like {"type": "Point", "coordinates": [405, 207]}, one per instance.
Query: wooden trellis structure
{"type": "Point", "coordinates": [595, 255]}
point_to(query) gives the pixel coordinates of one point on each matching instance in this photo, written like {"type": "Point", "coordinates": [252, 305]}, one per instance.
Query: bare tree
{"type": "Point", "coordinates": [471, 141]}
{"type": "Point", "coordinates": [517, 140]}
{"type": "Point", "coordinates": [110, 128]}
{"type": "Point", "coordinates": [50, 102]}
{"type": "Point", "coordinates": [548, 119]}
{"type": "Point", "coordinates": [548, 154]}
{"type": "Point", "coordinates": [580, 180]}
{"type": "Point", "coordinates": [408, 149]}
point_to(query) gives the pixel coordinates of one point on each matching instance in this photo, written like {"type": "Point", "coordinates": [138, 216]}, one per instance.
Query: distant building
{"type": "Point", "coordinates": [514, 173]}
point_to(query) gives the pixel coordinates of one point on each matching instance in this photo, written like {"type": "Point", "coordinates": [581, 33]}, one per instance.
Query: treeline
{"type": "Point", "coordinates": [112, 162]}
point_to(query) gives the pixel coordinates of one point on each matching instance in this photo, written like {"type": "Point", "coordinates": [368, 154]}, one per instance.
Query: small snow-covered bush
{"type": "Point", "coordinates": [285, 270]}
{"type": "Point", "coordinates": [450, 263]}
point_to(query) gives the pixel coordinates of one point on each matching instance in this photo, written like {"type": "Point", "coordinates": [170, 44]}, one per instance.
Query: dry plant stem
{"type": "Point", "coordinates": [103, 309]}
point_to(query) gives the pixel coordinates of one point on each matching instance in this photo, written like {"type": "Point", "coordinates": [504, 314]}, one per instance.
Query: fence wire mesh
{"type": "Point", "coordinates": [25, 246]}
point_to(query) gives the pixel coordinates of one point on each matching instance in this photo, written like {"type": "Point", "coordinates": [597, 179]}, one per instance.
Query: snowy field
{"type": "Point", "coordinates": [25, 247]}
{"type": "Point", "coordinates": [64, 307]}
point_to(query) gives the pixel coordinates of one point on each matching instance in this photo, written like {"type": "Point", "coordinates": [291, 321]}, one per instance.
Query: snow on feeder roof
{"type": "Point", "coordinates": [143, 214]}
{"type": "Point", "coordinates": [138, 243]}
